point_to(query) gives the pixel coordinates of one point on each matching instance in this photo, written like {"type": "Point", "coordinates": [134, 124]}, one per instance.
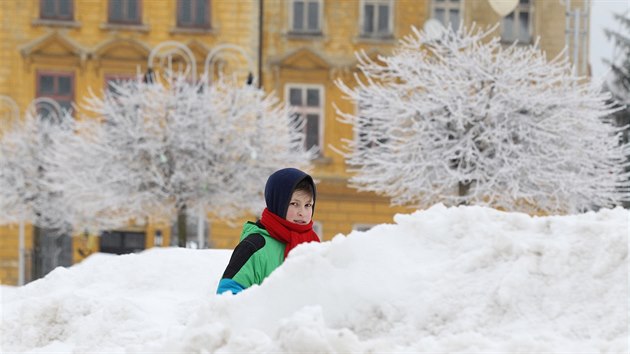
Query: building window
{"type": "Point", "coordinates": [193, 13]}
{"type": "Point", "coordinates": [122, 242]}
{"type": "Point", "coordinates": [448, 12]}
{"type": "Point", "coordinates": [306, 16]}
{"type": "Point", "coordinates": [517, 26]}
{"type": "Point", "coordinates": [124, 11]}
{"type": "Point", "coordinates": [61, 10]}
{"type": "Point", "coordinates": [376, 18]}
{"type": "Point", "coordinates": [306, 102]}
{"type": "Point", "coordinates": [58, 86]}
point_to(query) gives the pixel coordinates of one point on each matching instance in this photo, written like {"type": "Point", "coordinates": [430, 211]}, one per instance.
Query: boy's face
{"type": "Point", "coordinates": [300, 209]}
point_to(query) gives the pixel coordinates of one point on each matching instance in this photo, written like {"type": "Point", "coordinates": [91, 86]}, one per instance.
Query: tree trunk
{"type": "Point", "coordinates": [463, 188]}
{"type": "Point", "coordinates": [36, 258]}
{"type": "Point", "coordinates": [181, 227]}
{"type": "Point", "coordinates": [21, 261]}
{"type": "Point", "coordinates": [201, 238]}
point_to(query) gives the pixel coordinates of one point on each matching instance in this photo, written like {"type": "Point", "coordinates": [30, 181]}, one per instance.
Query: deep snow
{"type": "Point", "coordinates": [466, 279]}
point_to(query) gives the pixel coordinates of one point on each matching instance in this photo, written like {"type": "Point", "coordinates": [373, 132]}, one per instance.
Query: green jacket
{"type": "Point", "coordinates": [254, 258]}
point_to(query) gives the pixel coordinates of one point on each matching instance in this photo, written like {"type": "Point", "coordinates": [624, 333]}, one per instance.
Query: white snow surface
{"type": "Point", "coordinates": [460, 279]}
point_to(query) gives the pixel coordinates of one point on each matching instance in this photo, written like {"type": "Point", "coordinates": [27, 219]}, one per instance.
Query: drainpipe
{"type": "Point", "coordinates": [21, 261]}
{"type": "Point", "coordinates": [260, 42]}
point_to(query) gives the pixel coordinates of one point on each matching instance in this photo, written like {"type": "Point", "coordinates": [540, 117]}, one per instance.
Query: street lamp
{"type": "Point", "coordinates": [191, 67]}
{"type": "Point", "coordinates": [52, 108]}
{"type": "Point", "coordinates": [14, 116]}
{"type": "Point", "coordinates": [14, 110]}
{"type": "Point", "coordinates": [223, 48]}
{"type": "Point", "coordinates": [171, 48]}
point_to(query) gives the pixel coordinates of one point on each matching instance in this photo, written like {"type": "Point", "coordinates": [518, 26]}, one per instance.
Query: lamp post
{"type": "Point", "coordinates": [14, 110]}
{"type": "Point", "coordinates": [14, 116]}
{"type": "Point", "coordinates": [54, 111]}
{"type": "Point", "coordinates": [171, 47]}
{"type": "Point", "coordinates": [50, 109]}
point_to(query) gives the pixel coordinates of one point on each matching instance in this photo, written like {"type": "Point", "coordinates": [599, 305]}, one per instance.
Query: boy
{"type": "Point", "coordinates": [286, 222]}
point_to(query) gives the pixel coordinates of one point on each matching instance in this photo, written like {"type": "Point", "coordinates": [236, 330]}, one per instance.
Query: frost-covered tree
{"type": "Point", "coordinates": [617, 82]}
{"type": "Point", "coordinates": [464, 119]}
{"type": "Point", "coordinates": [24, 194]}
{"type": "Point", "coordinates": [162, 147]}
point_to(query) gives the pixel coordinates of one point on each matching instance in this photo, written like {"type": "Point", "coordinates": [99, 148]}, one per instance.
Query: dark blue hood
{"type": "Point", "coordinates": [279, 189]}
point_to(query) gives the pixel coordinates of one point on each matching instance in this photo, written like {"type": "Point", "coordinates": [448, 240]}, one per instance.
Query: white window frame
{"type": "Point", "coordinates": [304, 110]}
{"type": "Point", "coordinates": [447, 6]}
{"type": "Point", "coordinates": [390, 19]}
{"type": "Point", "coordinates": [305, 30]}
{"type": "Point", "coordinates": [520, 8]}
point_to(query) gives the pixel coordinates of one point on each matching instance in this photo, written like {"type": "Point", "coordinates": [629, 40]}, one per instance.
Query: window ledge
{"type": "Point", "coordinates": [56, 23]}
{"type": "Point", "coordinates": [304, 35]}
{"type": "Point", "coordinates": [519, 42]}
{"type": "Point", "coordinates": [368, 38]}
{"type": "Point", "coordinates": [192, 30]}
{"type": "Point", "coordinates": [125, 27]}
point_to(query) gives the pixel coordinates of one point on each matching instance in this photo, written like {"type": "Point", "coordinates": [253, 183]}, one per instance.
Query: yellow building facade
{"type": "Point", "coordinates": [296, 48]}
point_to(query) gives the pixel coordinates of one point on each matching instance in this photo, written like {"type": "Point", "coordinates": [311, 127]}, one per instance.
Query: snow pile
{"type": "Point", "coordinates": [465, 279]}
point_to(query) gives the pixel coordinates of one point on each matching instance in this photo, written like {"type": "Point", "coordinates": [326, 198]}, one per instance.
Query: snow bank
{"type": "Point", "coordinates": [465, 279]}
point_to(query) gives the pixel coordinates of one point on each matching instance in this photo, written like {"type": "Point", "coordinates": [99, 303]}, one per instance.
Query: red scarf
{"type": "Point", "coordinates": [285, 231]}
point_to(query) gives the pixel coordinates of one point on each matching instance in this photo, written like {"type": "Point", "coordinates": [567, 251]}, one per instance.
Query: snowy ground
{"type": "Point", "coordinates": [450, 280]}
